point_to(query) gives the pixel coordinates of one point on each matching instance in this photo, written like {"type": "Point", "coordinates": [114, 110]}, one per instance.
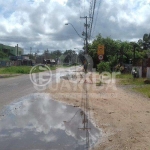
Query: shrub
{"type": "Point", "coordinates": [147, 81]}
{"type": "Point", "coordinates": [103, 66]}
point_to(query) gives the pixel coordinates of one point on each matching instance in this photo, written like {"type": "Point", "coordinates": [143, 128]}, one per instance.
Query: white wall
{"type": "Point", "coordinates": [148, 73]}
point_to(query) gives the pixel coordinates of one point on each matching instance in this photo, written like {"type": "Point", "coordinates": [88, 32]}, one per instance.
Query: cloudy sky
{"type": "Point", "coordinates": [40, 24]}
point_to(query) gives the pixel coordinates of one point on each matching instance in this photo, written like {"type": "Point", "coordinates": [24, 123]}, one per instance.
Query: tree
{"type": "Point", "coordinates": [119, 52]}
{"type": "Point", "coordinates": [70, 56]}
{"type": "Point", "coordinates": [55, 54]}
{"type": "Point", "coordinates": [112, 61]}
{"type": "Point", "coordinates": [31, 56]}
{"type": "Point", "coordinates": [112, 48]}
{"type": "Point", "coordinates": [146, 41]}
{"type": "Point", "coordinates": [3, 55]}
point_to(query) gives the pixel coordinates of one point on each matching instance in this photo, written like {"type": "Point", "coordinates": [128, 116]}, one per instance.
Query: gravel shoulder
{"type": "Point", "coordinates": [122, 115]}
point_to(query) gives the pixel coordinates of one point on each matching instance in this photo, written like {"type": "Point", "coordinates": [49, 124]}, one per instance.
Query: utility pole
{"type": "Point", "coordinates": [17, 49]}
{"type": "Point", "coordinates": [30, 50]}
{"type": "Point", "coordinates": [86, 104]}
{"type": "Point", "coordinates": [86, 33]}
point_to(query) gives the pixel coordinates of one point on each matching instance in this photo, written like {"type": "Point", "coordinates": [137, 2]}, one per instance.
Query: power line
{"type": "Point", "coordinates": [92, 16]}
{"type": "Point", "coordinates": [74, 29]}
{"type": "Point", "coordinates": [80, 13]}
{"type": "Point", "coordinates": [97, 15]}
{"type": "Point", "coordinates": [91, 8]}
{"type": "Point", "coordinates": [80, 9]}
{"type": "Point", "coordinates": [84, 7]}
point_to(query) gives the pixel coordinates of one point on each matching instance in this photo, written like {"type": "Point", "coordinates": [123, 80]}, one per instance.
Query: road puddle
{"type": "Point", "coordinates": [36, 122]}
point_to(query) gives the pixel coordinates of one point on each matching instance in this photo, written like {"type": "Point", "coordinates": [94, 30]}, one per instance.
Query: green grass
{"type": "Point", "coordinates": [127, 79]}
{"type": "Point", "coordinates": [124, 76]}
{"type": "Point", "coordinates": [145, 90]}
{"type": "Point", "coordinates": [21, 70]}
{"type": "Point", "coordinates": [52, 68]}
{"type": "Point", "coordinates": [138, 83]}
{"type": "Point", "coordinates": [15, 70]}
{"type": "Point", "coordinates": [132, 81]}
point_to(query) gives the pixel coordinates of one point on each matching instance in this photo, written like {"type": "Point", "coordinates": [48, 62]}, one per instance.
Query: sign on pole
{"type": "Point", "coordinates": [100, 57]}
{"type": "Point", "coordinates": [100, 50]}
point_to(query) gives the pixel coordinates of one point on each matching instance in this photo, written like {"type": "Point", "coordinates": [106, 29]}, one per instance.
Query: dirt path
{"type": "Point", "coordinates": [123, 116]}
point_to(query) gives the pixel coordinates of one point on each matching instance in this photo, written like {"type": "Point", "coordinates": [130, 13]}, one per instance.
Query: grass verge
{"type": "Point", "coordinates": [145, 90]}
{"type": "Point", "coordinates": [127, 79]}
{"type": "Point", "coordinates": [138, 83]}
{"type": "Point", "coordinates": [21, 70]}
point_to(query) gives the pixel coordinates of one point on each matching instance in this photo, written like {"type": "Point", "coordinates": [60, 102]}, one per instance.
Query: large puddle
{"type": "Point", "coordinates": [36, 122]}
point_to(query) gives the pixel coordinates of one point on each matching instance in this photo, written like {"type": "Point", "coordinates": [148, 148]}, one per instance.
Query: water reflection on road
{"type": "Point", "coordinates": [38, 122]}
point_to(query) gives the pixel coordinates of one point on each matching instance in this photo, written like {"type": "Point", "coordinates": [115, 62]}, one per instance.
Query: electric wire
{"type": "Point", "coordinates": [75, 30]}
{"type": "Point", "coordinates": [96, 16]}
{"type": "Point", "coordinates": [92, 18]}
{"type": "Point", "coordinates": [90, 15]}
{"type": "Point", "coordinates": [80, 8]}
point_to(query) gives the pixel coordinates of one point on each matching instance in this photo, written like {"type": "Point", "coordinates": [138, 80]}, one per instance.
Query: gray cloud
{"type": "Point", "coordinates": [124, 21]}
{"type": "Point", "coordinates": [40, 24]}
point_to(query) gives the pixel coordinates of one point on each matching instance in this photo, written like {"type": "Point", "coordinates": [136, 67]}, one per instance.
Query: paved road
{"type": "Point", "coordinates": [16, 87]}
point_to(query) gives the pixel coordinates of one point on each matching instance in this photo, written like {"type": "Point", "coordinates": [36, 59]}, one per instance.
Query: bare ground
{"type": "Point", "coordinates": [123, 116]}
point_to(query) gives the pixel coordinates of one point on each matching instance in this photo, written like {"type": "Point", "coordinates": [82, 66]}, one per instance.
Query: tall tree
{"type": "Point", "coordinates": [3, 55]}
{"type": "Point", "coordinates": [146, 41]}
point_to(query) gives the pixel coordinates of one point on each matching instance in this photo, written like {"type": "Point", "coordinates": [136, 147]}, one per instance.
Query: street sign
{"type": "Point", "coordinates": [100, 50]}
{"type": "Point", "coordinates": [100, 57]}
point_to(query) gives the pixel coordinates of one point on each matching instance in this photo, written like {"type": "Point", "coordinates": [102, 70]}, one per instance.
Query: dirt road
{"type": "Point", "coordinates": [123, 115]}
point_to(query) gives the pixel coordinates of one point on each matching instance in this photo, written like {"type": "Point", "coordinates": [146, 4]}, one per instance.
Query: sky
{"type": "Point", "coordinates": [40, 24]}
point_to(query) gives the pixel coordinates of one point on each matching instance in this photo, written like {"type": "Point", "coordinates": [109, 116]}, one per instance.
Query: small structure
{"type": "Point", "coordinates": [49, 61]}
{"type": "Point", "coordinates": [138, 69]}
{"type": "Point", "coordinates": [22, 60]}
{"type": "Point", "coordinates": [143, 68]}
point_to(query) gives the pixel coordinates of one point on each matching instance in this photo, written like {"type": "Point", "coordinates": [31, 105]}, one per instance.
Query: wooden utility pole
{"type": "Point", "coordinates": [86, 103]}
{"type": "Point", "coordinates": [17, 49]}
{"type": "Point", "coordinates": [86, 34]}
{"type": "Point", "coordinates": [30, 50]}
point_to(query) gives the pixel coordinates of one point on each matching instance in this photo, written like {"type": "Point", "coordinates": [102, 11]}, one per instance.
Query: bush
{"type": "Point", "coordinates": [147, 81]}
{"type": "Point", "coordinates": [103, 66]}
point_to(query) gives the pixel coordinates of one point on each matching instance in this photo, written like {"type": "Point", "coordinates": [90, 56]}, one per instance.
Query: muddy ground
{"type": "Point", "coordinates": [122, 115]}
